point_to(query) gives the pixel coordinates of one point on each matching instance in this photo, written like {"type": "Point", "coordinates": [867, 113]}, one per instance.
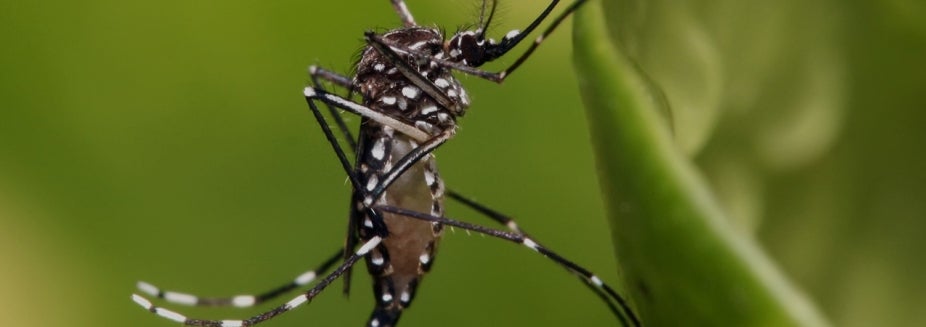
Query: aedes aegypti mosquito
{"type": "Point", "coordinates": [410, 104]}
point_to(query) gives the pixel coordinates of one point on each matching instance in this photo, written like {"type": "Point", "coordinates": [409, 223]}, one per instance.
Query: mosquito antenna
{"type": "Point", "coordinates": [484, 25]}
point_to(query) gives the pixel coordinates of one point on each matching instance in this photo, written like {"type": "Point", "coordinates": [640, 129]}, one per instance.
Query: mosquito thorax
{"type": "Point", "coordinates": [386, 88]}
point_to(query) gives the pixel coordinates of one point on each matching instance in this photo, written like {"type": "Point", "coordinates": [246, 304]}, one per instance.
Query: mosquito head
{"type": "Point", "coordinates": [471, 48]}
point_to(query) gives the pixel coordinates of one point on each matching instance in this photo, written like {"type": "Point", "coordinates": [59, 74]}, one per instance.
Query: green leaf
{"type": "Point", "coordinates": [683, 262]}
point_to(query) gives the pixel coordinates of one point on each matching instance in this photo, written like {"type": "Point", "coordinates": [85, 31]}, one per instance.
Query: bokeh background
{"type": "Point", "coordinates": [169, 142]}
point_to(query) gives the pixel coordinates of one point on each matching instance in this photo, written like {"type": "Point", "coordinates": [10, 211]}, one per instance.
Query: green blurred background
{"type": "Point", "coordinates": [169, 142]}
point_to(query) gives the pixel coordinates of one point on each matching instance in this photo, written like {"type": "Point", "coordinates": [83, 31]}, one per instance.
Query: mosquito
{"type": "Point", "coordinates": [410, 103]}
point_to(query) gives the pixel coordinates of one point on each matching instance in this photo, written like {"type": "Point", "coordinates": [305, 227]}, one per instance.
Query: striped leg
{"type": "Point", "coordinates": [345, 82]}
{"type": "Point", "coordinates": [292, 304]}
{"type": "Point", "coordinates": [625, 314]}
{"type": "Point", "coordinates": [317, 73]}
{"type": "Point", "coordinates": [488, 212]}
{"type": "Point", "coordinates": [512, 39]}
{"type": "Point", "coordinates": [240, 301]}
{"type": "Point", "coordinates": [373, 191]}
{"type": "Point", "coordinates": [513, 226]}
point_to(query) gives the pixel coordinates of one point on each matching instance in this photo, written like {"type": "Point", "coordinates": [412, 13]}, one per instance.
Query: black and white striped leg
{"type": "Point", "coordinates": [240, 301]}
{"type": "Point", "coordinates": [403, 164]}
{"type": "Point", "coordinates": [292, 304]}
{"type": "Point", "coordinates": [512, 39]}
{"type": "Point", "coordinates": [488, 212]}
{"type": "Point", "coordinates": [317, 73]}
{"type": "Point", "coordinates": [625, 314]}
{"type": "Point", "coordinates": [375, 187]}
{"type": "Point", "coordinates": [513, 226]}
{"type": "Point", "coordinates": [373, 190]}
{"type": "Point", "coordinates": [312, 93]}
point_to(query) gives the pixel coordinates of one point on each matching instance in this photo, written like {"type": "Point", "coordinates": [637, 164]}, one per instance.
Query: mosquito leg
{"type": "Point", "coordinates": [292, 304]}
{"type": "Point", "coordinates": [413, 132]}
{"type": "Point", "coordinates": [513, 38]}
{"type": "Point", "coordinates": [340, 80]}
{"type": "Point", "coordinates": [376, 189]}
{"type": "Point", "coordinates": [311, 96]}
{"type": "Point", "coordinates": [511, 225]}
{"type": "Point", "coordinates": [404, 13]}
{"type": "Point", "coordinates": [488, 212]}
{"type": "Point", "coordinates": [587, 276]}
{"type": "Point", "coordinates": [430, 143]}
{"type": "Point", "coordinates": [240, 301]}
{"type": "Point", "coordinates": [343, 81]}
{"type": "Point", "coordinates": [508, 43]}
{"type": "Point", "coordinates": [317, 73]}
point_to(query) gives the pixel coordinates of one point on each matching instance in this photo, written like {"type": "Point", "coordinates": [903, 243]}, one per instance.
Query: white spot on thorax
{"type": "Point", "coordinates": [410, 92]}
{"type": "Point", "coordinates": [388, 100]}
{"type": "Point", "coordinates": [403, 104]}
{"type": "Point", "coordinates": [424, 126]}
{"type": "Point", "coordinates": [443, 117]}
{"type": "Point", "coordinates": [442, 83]}
{"type": "Point", "coordinates": [417, 45]}
{"type": "Point", "coordinates": [428, 110]}
{"type": "Point", "coordinates": [379, 67]}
